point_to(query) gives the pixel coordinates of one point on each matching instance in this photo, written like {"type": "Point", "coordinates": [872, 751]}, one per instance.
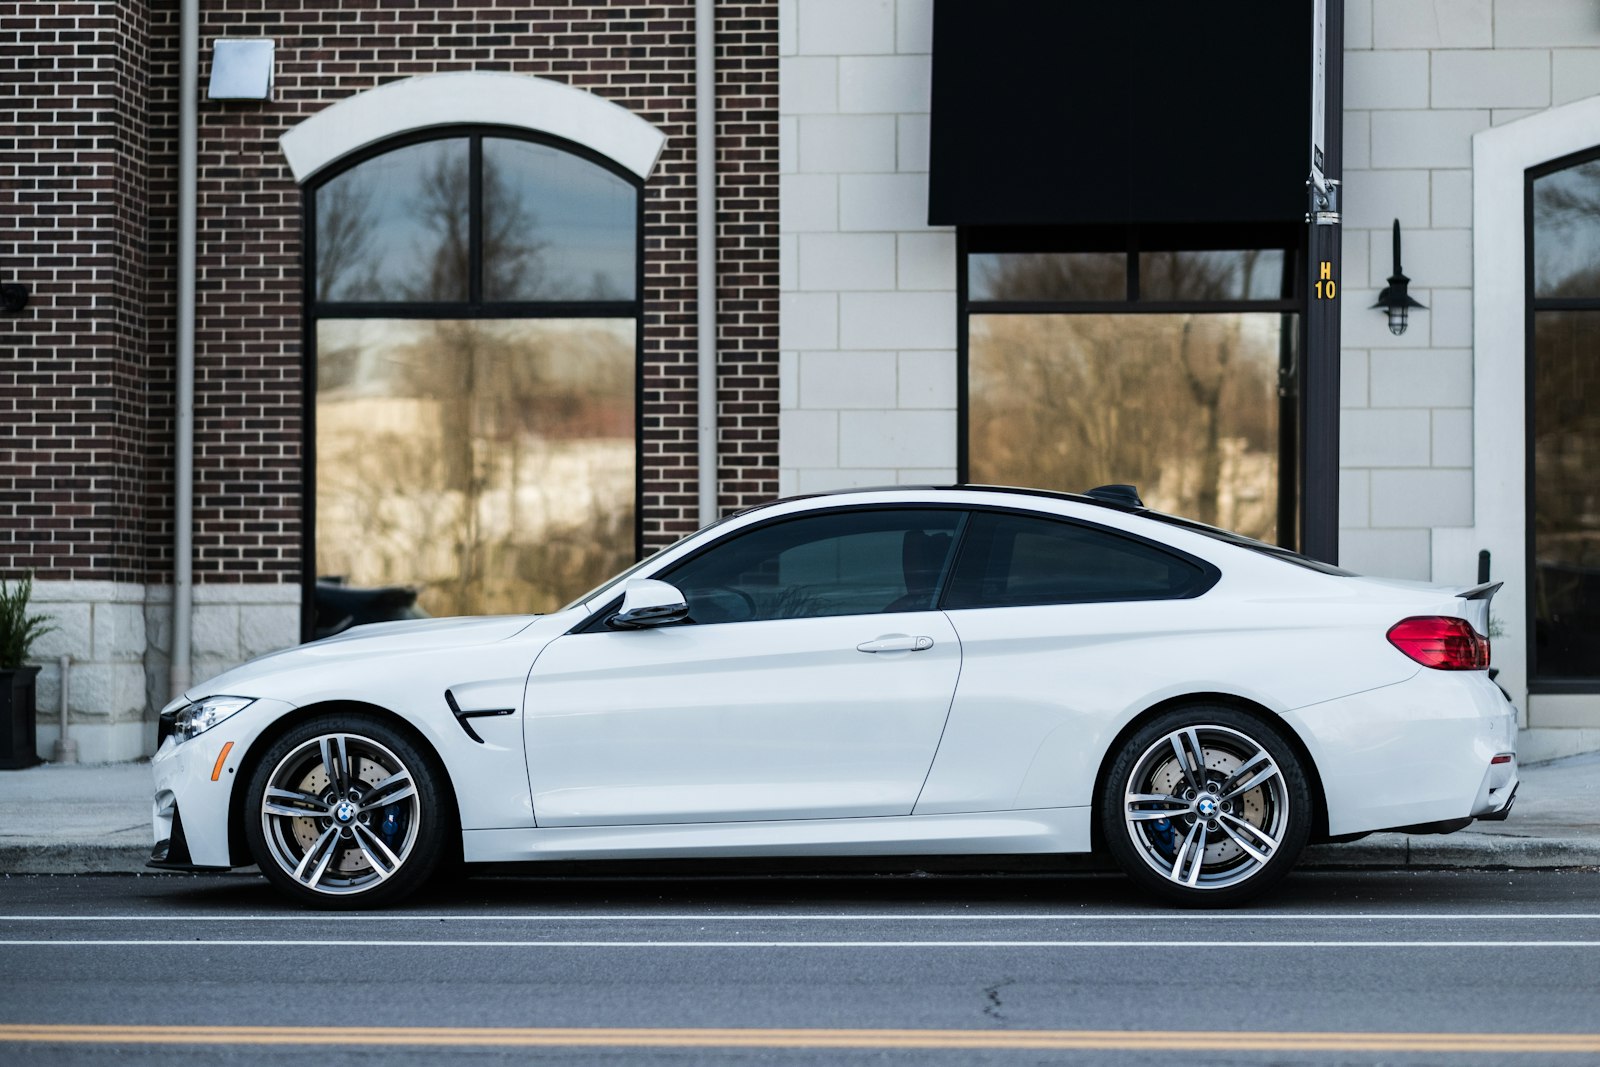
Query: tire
{"type": "Point", "coordinates": [369, 833]}
{"type": "Point", "coordinates": [1196, 837]}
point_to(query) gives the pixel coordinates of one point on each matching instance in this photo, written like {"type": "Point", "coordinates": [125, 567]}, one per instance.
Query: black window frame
{"type": "Point", "coordinates": [1294, 479]}
{"type": "Point", "coordinates": [314, 310]}
{"type": "Point", "coordinates": [1532, 305]}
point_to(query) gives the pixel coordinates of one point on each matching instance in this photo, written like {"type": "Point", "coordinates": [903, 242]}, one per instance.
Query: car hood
{"type": "Point", "coordinates": [366, 642]}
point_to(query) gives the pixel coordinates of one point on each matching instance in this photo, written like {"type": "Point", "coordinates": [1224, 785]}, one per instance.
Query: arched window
{"type": "Point", "coordinates": [1564, 421]}
{"type": "Point", "coordinates": [473, 317]}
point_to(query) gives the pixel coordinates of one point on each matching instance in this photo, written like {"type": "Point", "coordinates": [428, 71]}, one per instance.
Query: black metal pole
{"type": "Point", "coordinates": [1320, 383]}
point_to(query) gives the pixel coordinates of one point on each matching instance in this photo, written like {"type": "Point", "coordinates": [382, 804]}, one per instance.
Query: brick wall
{"type": "Point", "coordinates": [86, 391]}
{"type": "Point", "coordinates": [72, 229]}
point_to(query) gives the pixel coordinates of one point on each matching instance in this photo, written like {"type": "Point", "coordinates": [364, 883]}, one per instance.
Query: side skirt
{"type": "Point", "coordinates": [1041, 830]}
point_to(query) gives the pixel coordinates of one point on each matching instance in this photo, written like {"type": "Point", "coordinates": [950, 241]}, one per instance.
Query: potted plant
{"type": "Point", "coordinates": [18, 703]}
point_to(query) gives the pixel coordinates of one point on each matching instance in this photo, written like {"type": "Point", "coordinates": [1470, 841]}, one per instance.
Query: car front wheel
{"type": "Point", "coordinates": [345, 811]}
{"type": "Point", "coordinates": [1206, 807]}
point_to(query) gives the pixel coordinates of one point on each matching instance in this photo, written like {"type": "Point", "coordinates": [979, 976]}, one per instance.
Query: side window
{"type": "Point", "coordinates": [846, 563]}
{"type": "Point", "coordinates": [1016, 560]}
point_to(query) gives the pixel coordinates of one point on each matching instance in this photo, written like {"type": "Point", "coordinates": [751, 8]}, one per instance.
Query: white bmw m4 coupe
{"type": "Point", "coordinates": [907, 671]}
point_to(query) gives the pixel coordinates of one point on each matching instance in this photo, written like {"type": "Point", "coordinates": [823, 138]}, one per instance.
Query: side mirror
{"type": "Point", "coordinates": [647, 602]}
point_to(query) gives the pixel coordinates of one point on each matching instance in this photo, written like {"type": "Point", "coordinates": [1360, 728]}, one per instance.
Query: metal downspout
{"type": "Point", "coordinates": [183, 414]}
{"type": "Point", "coordinates": [705, 181]}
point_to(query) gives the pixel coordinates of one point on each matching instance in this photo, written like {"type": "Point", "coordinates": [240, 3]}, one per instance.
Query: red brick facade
{"type": "Point", "coordinates": [88, 156]}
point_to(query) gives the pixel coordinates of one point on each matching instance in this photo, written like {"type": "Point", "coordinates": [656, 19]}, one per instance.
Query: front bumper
{"type": "Point", "coordinates": [195, 783]}
{"type": "Point", "coordinates": [171, 853]}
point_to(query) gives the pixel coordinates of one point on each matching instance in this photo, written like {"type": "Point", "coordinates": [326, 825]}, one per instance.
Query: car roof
{"type": "Point", "coordinates": [1116, 502]}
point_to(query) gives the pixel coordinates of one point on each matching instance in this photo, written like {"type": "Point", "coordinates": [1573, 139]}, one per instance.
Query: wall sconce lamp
{"type": "Point", "coordinates": [1394, 298]}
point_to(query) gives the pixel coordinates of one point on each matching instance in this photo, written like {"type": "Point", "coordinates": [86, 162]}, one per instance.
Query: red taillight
{"type": "Point", "coordinates": [1442, 642]}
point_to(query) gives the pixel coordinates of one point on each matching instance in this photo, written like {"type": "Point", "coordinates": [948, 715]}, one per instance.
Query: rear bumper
{"type": "Point", "coordinates": [1417, 753]}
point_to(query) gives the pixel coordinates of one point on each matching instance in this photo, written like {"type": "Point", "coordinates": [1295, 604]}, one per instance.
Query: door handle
{"type": "Point", "coordinates": [896, 643]}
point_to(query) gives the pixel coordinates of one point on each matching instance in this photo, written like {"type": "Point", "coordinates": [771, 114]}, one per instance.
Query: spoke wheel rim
{"type": "Point", "coordinates": [341, 814]}
{"type": "Point", "coordinates": [1206, 807]}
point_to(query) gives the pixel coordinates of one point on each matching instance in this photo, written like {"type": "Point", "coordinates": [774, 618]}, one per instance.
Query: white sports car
{"type": "Point", "coordinates": [911, 671]}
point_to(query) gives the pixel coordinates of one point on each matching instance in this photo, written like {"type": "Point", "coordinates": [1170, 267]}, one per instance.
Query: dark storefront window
{"type": "Point", "coordinates": [1173, 369]}
{"type": "Point", "coordinates": [1564, 423]}
{"type": "Point", "coordinates": [474, 333]}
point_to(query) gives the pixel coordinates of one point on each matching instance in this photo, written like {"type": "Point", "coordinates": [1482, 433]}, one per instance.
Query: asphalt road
{"type": "Point", "coordinates": [1337, 967]}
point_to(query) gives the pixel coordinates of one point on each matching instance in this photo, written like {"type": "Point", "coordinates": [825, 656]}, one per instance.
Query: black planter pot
{"type": "Point", "coordinates": [19, 742]}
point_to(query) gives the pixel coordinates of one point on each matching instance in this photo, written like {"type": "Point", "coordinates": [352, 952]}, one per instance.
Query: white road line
{"type": "Point", "coordinates": [351, 943]}
{"type": "Point", "coordinates": [1231, 916]}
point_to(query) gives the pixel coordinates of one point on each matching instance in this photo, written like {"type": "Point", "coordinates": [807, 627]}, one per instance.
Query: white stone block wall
{"type": "Point", "coordinates": [868, 289]}
{"type": "Point", "coordinates": [1421, 77]}
{"type": "Point", "coordinates": [119, 638]}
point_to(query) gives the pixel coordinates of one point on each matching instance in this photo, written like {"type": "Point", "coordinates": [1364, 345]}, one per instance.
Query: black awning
{"type": "Point", "coordinates": [1138, 111]}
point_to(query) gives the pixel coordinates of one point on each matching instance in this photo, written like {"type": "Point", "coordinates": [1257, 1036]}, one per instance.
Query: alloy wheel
{"type": "Point", "coordinates": [1206, 807]}
{"type": "Point", "coordinates": [340, 814]}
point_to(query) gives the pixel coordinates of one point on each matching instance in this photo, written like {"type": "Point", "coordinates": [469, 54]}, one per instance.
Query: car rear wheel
{"type": "Point", "coordinates": [1206, 807]}
{"type": "Point", "coordinates": [345, 811]}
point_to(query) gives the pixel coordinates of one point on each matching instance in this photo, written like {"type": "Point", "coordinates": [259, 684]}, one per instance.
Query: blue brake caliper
{"type": "Point", "coordinates": [390, 826]}
{"type": "Point", "coordinates": [1164, 837]}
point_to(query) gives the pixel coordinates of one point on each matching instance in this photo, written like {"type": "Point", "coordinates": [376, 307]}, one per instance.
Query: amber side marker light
{"type": "Point", "coordinates": [1443, 642]}
{"type": "Point", "coordinates": [222, 757]}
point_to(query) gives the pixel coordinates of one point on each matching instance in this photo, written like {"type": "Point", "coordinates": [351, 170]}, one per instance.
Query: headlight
{"type": "Point", "coordinates": [202, 715]}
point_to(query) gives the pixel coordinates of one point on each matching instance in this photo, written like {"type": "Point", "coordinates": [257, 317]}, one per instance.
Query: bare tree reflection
{"type": "Point", "coordinates": [347, 268]}
{"type": "Point", "coordinates": [490, 463]}
{"type": "Point", "coordinates": [1184, 406]}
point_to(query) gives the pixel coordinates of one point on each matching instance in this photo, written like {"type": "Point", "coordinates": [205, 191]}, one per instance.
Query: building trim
{"type": "Point", "coordinates": [1501, 157]}
{"type": "Point", "coordinates": [471, 98]}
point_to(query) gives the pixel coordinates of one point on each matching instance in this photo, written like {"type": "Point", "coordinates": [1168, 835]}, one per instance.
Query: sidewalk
{"type": "Point", "coordinates": [95, 819]}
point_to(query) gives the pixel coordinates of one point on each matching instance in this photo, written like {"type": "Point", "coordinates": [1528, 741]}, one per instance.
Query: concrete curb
{"type": "Point", "coordinates": [74, 859]}
{"type": "Point", "coordinates": [1463, 850]}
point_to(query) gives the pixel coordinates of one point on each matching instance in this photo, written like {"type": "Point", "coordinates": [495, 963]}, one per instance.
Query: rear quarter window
{"type": "Point", "coordinates": [1011, 560]}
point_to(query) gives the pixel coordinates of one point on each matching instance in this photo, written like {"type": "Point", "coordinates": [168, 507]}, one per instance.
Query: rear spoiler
{"type": "Point", "coordinates": [1486, 591]}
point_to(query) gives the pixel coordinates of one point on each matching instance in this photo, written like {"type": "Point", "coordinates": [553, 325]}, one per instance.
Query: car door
{"type": "Point", "coordinates": [812, 680]}
{"type": "Point", "coordinates": [1065, 627]}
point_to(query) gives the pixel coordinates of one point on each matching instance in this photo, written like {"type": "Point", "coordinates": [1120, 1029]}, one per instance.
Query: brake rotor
{"type": "Point", "coordinates": [349, 860]}
{"type": "Point", "coordinates": [1221, 849]}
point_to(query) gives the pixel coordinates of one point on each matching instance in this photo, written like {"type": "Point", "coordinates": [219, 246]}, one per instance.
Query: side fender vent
{"type": "Point", "coordinates": [463, 716]}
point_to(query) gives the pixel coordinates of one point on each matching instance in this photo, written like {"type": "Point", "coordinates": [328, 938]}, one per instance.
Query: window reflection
{"type": "Point", "coordinates": [1246, 274]}
{"type": "Point", "coordinates": [1184, 406]}
{"type": "Point", "coordinates": [1047, 276]}
{"type": "Point", "coordinates": [397, 226]}
{"type": "Point", "coordinates": [555, 227]}
{"type": "Point", "coordinates": [489, 463]}
{"type": "Point", "coordinates": [1566, 226]}
{"type": "Point", "coordinates": [1566, 522]}
{"type": "Point", "coordinates": [1564, 426]}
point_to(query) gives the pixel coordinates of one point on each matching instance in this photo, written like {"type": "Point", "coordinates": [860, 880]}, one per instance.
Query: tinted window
{"type": "Point", "coordinates": [1564, 434]}
{"type": "Point", "coordinates": [846, 563]}
{"type": "Point", "coordinates": [555, 227]}
{"type": "Point", "coordinates": [1014, 560]}
{"type": "Point", "coordinates": [395, 228]}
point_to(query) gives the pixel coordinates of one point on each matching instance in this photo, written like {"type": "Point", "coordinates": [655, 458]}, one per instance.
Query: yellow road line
{"type": "Point", "coordinates": [526, 1037]}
